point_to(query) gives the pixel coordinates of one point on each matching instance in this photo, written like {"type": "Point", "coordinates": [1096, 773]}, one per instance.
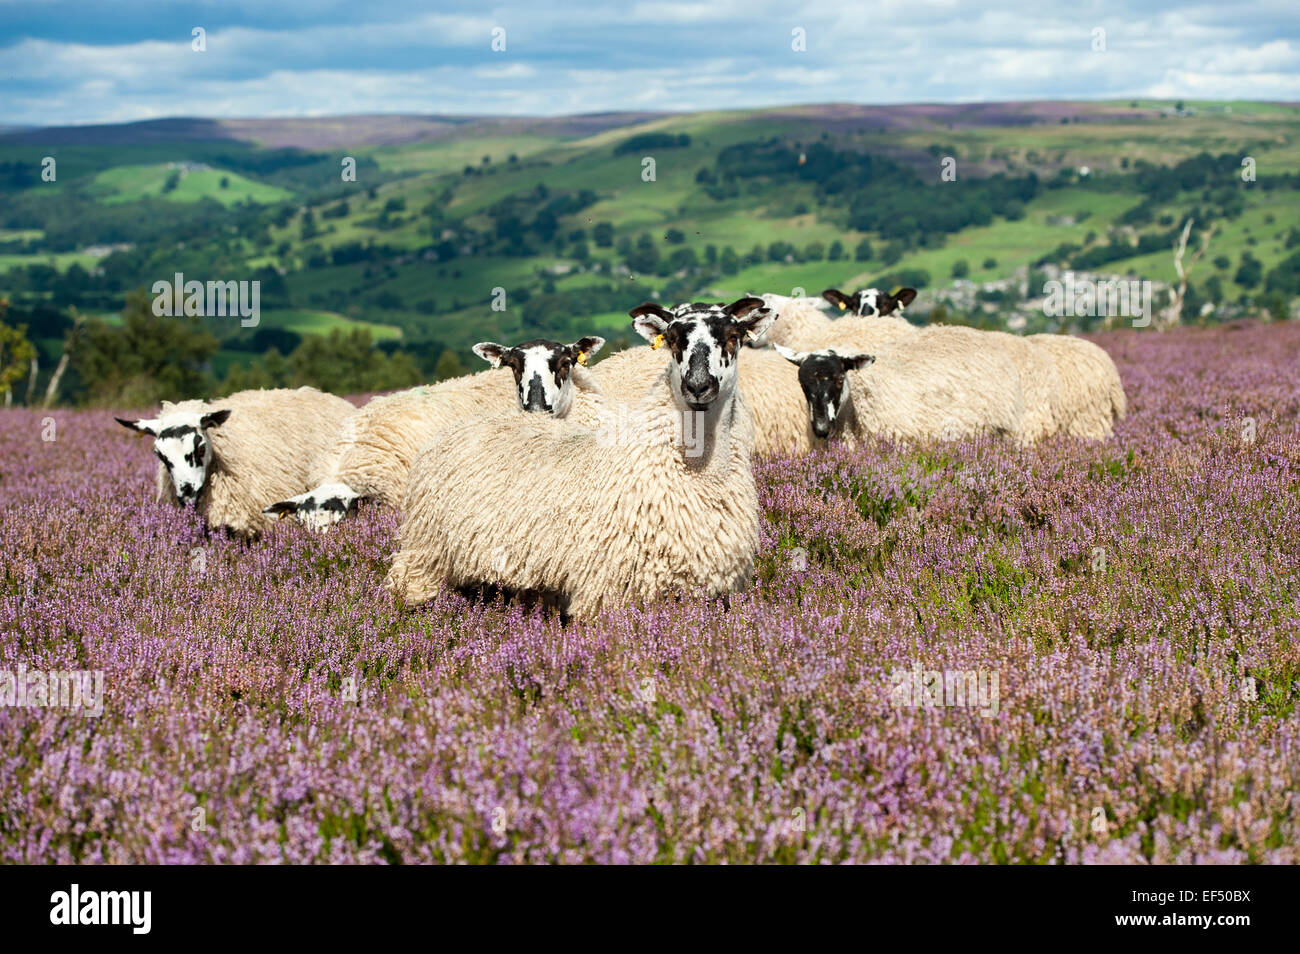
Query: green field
{"type": "Point", "coordinates": [374, 252]}
{"type": "Point", "coordinates": [132, 183]}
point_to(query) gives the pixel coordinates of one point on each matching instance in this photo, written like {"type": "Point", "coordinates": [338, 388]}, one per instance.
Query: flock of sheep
{"type": "Point", "coordinates": [630, 480]}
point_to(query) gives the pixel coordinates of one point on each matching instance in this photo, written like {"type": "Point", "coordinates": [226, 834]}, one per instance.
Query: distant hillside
{"type": "Point", "coordinates": [578, 218]}
{"type": "Point", "coordinates": [323, 132]}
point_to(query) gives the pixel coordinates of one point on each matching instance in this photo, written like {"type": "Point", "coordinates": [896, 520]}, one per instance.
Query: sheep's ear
{"type": "Point", "coordinates": [214, 419]}
{"type": "Point", "coordinates": [491, 352]}
{"type": "Point", "coordinates": [584, 348]}
{"type": "Point", "coordinates": [143, 426]}
{"type": "Point", "coordinates": [756, 323]}
{"type": "Point", "coordinates": [743, 306]}
{"type": "Point", "coordinates": [650, 320]}
{"type": "Point", "coordinates": [851, 362]}
{"type": "Point", "coordinates": [905, 296]}
{"type": "Point", "coordinates": [837, 298]}
{"type": "Point", "coordinates": [794, 357]}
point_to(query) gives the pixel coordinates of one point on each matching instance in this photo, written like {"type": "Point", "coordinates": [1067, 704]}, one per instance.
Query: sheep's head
{"type": "Point", "coordinates": [181, 442]}
{"type": "Point", "coordinates": [824, 377]}
{"type": "Point", "coordinates": [870, 302]}
{"type": "Point", "coordinates": [702, 342]}
{"type": "Point", "coordinates": [543, 370]}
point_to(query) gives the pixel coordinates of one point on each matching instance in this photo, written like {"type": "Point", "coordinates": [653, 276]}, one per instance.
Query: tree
{"type": "Point", "coordinates": [1249, 272]}
{"type": "Point", "coordinates": [16, 354]}
{"type": "Point", "coordinates": [863, 253]}
{"type": "Point", "coordinates": [448, 366]}
{"type": "Point", "coordinates": [960, 268]}
{"type": "Point", "coordinates": [346, 362]}
{"type": "Point", "coordinates": [836, 251]}
{"type": "Point", "coordinates": [1174, 314]}
{"type": "Point", "coordinates": [603, 235]}
{"type": "Point", "coordinates": [69, 345]}
{"type": "Point", "coordinates": [146, 359]}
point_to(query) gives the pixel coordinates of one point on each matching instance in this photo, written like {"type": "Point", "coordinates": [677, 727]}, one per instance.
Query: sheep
{"type": "Point", "coordinates": [374, 449]}
{"type": "Point", "coordinates": [770, 387]}
{"type": "Point", "coordinates": [1091, 395]}
{"type": "Point", "coordinates": [798, 320]}
{"type": "Point", "coordinates": [932, 385]}
{"type": "Point", "coordinates": [592, 519]}
{"type": "Point", "coordinates": [876, 320]}
{"type": "Point", "coordinates": [228, 458]}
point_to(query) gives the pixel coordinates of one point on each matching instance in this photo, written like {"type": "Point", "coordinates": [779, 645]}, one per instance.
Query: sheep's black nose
{"type": "Point", "coordinates": [536, 400]}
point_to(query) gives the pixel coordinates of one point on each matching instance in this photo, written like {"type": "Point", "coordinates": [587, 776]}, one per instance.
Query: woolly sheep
{"type": "Point", "coordinates": [228, 458]}
{"type": "Point", "coordinates": [770, 387]}
{"type": "Point", "coordinates": [798, 320]}
{"type": "Point", "coordinates": [931, 385]}
{"type": "Point", "coordinates": [876, 321]}
{"type": "Point", "coordinates": [375, 447]}
{"type": "Point", "coordinates": [590, 518]}
{"type": "Point", "coordinates": [1089, 386]}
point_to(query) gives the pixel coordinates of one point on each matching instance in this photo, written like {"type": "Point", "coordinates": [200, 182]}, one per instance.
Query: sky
{"type": "Point", "coordinates": [74, 62]}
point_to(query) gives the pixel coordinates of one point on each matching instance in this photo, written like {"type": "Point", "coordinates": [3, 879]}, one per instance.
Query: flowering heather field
{"type": "Point", "coordinates": [1136, 600]}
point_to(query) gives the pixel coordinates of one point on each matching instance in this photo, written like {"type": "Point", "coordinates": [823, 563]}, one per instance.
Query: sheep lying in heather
{"type": "Point", "coordinates": [228, 458]}
{"type": "Point", "coordinates": [769, 385]}
{"type": "Point", "coordinates": [930, 386]}
{"type": "Point", "coordinates": [1091, 395]}
{"type": "Point", "coordinates": [375, 446]}
{"type": "Point", "coordinates": [590, 518]}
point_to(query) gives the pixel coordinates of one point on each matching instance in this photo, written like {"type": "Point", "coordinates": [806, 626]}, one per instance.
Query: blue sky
{"type": "Point", "coordinates": [119, 60]}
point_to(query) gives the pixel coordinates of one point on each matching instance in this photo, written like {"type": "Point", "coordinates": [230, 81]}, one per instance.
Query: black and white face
{"type": "Point", "coordinates": [543, 370]}
{"type": "Point", "coordinates": [703, 344]}
{"type": "Point", "coordinates": [180, 441]}
{"type": "Point", "coordinates": [870, 302]}
{"type": "Point", "coordinates": [824, 378]}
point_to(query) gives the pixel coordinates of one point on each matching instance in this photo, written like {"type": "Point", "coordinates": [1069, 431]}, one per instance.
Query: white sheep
{"type": "Point", "coordinates": [769, 385]}
{"type": "Point", "coordinates": [593, 518]}
{"type": "Point", "coordinates": [798, 320]}
{"type": "Point", "coordinates": [375, 447]}
{"type": "Point", "coordinates": [228, 458]}
{"type": "Point", "coordinates": [1091, 395]}
{"type": "Point", "coordinates": [934, 385]}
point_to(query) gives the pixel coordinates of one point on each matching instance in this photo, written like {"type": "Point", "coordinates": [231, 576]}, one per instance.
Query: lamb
{"type": "Point", "coordinates": [931, 386]}
{"type": "Point", "coordinates": [770, 387]}
{"type": "Point", "coordinates": [590, 519]}
{"type": "Point", "coordinates": [228, 458]}
{"type": "Point", "coordinates": [375, 447]}
{"type": "Point", "coordinates": [1091, 395]}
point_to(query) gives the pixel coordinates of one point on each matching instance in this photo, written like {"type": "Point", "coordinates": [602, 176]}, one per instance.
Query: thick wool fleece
{"type": "Point", "coordinates": [1040, 386]}
{"type": "Point", "coordinates": [376, 445]}
{"type": "Point", "coordinates": [595, 518]}
{"type": "Point", "coordinates": [1090, 390]}
{"type": "Point", "coordinates": [937, 384]}
{"type": "Point", "coordinates": [798, 322]}
{"type": "Point", "coordinates": [858, 333]}
{"type": "Point", "coordinates": [274, 445]}
{"type": "Point", "coordinates": [769, 383]}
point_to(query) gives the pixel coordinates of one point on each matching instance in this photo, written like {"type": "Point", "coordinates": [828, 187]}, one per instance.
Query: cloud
{"type": "Point", "coordinates": [78, 62]}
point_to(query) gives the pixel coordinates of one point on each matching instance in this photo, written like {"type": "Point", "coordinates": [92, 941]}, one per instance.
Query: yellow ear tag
{"type": "Point", "coordinates": [582, 358]}
{"type": "Point", "coordinates": [842, 305]}
{"type": "Point", "coordinates": [659, 339]}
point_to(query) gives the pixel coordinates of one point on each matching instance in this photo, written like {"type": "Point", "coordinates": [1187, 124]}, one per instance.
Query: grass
{"type": "Point", "coordinates": [132, 183]}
